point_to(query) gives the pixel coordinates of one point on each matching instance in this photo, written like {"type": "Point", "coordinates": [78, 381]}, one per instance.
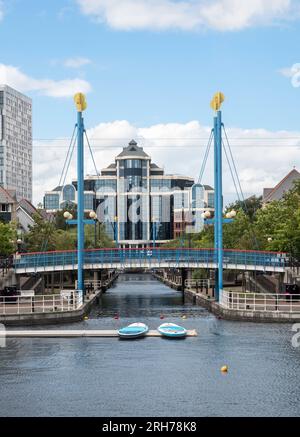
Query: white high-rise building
{"type": "Point", "coordinates": [16, 142]}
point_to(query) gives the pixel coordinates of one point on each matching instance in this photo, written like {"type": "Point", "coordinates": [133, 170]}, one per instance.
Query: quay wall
{"type": "Point", "coordinates": [56, 317]}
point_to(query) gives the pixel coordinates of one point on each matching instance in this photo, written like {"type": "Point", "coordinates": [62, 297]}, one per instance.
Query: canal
{"type": "Point", "coordinates": [153, 376]}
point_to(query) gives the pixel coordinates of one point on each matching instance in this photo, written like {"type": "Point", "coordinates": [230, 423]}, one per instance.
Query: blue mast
{"type": "Point", "coordinates": [81, 106]}
{"type": "Point", "coordinates": [219, 212]}
{"type": "Point", "coordinates": [218, 221]}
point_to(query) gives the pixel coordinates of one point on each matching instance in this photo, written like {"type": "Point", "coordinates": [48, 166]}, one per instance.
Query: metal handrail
{"type": "Point", "coordinates": [261, 302]}
{"type": "Point", "coordinates": [120, 256]}
{"type": "Point", "coordinates": [39, 304]}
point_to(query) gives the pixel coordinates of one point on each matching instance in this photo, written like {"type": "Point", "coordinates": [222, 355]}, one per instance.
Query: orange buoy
{"type": "Point", "coordinates": [224, 369]}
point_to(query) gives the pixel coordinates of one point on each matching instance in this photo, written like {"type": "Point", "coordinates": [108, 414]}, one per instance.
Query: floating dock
{"type": "Point", "coordinates": [78, 333]}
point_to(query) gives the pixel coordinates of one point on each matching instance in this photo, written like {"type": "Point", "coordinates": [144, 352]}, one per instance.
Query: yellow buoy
{"type": "Point", "coordinates": [86, 318]}
{"type": "Point", "coordinates": [183, 317]}
{"type": "Point", "coordinates": [224, 369]}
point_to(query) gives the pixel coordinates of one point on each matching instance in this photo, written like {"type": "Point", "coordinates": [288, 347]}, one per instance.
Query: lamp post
{"type": "Point", "coordinates": [154, 231]}
{"type": "Point", "coordinates": [93, 216]}
{"type": "Point", "coordinates": [19, 245]}
{"type": "Point", "coordinates": [116, 231]}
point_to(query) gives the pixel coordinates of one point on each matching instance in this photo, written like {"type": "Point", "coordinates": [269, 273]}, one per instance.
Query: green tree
{"type": "Point", "coordinates": [250, 206]}
{"type": "Point", "coordinates": [7, 239]}
{"type": "Point", "coordinates": [41, 236]}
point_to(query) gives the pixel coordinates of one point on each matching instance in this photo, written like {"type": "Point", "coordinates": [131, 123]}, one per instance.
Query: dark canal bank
{"type": "Point", "coordinates": [152, 376]}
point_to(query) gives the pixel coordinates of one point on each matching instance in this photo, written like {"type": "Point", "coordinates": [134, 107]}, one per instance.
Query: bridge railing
{"type": "Point", "coordinates": [39, 304]}
{"type": "Point", "coordinates": [285, 303]}
{"type": "Point", "coordinates": [150, 256]}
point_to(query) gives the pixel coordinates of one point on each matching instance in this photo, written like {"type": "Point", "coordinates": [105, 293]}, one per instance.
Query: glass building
{"type": "Point", "coordinates": [16, 142]}
{"type": "Point", "coordinates": [136, 200]}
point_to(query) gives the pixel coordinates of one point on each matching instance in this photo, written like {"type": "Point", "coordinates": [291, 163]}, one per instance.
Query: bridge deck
{"type": "Point", "coordinates": [151, 258]}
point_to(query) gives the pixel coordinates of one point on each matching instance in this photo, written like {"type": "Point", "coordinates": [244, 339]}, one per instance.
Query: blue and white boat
{"type": "Point", "coordinates": [172, 330]}
{"type": "Point", "coordinates": [135, 330]}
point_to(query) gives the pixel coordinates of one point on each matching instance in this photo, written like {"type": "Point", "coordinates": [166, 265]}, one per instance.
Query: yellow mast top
{"type": "Point", "coordinates": [80, 102]}
{"type": "Point", "coordinates": [217, 101]}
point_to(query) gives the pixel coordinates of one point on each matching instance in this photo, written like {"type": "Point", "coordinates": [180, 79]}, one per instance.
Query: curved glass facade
{"type": "Point", "coordinates": [134, 198]}
{"type": "Point", "coordinates": [69, 193]}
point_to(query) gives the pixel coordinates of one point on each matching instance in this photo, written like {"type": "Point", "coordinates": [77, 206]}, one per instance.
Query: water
{"type": "Point", "coordinates": [152, 376]}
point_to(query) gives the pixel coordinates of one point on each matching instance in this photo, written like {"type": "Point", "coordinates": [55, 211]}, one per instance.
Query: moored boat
{"type": "Point", "coordinates": [171, 330]}
{"type": "Point", "coordinates": [134, 330]}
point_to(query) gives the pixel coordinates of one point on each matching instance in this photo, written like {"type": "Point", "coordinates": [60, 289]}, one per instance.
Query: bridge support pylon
{"type": "Point", "coordinates": [218, 220]}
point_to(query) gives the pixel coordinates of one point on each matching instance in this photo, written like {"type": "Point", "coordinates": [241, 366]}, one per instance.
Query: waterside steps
{"type": "Point", "coordinates": [78, 333]}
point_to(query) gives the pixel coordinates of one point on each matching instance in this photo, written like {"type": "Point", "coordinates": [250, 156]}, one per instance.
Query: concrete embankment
{"type": "Point", "coordinates": [241, 316]}
{"type": "Point", "coordinates": [49, 318]}
{"type": "Point", "coordinates": [174, 283]}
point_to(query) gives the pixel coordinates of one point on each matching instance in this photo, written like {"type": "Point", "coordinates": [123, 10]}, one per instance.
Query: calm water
{"type": "Point", "coordinates": [152, 376]}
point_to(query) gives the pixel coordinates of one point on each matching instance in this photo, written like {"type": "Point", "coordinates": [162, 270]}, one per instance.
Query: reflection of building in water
{"type": "Point", "coordinates": [136, 200]}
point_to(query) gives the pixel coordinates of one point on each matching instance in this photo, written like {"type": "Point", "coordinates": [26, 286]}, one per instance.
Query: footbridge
{"type": "Point", "coordinates": [151, 259]}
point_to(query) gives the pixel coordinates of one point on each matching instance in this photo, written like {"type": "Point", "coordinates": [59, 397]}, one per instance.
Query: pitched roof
{"type": "Point", "coordinates": [273, 190]}
{"type": "Point", "coordinates": [27, 206]}
{"type": "Point", "coordinates": [5, 196]}
{"type": "Point", "coordinates": [133, 150]}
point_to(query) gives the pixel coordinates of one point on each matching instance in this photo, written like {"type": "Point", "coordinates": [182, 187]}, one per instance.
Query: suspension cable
{"type": "Point", "coordinates": [234, 172]}
{"type": "Point", "coordinates": [69, 149]}
{"type": "Point", "coordinates": [231, 171]}
{"type": "Point", "coordinates": [208, 147]}
{"type": "Point", "coordinates": [62, 178]}
{"type": "Point", "coordinates": [91, 152]}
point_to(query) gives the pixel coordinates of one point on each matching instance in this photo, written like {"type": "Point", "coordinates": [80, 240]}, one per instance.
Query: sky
{"type": "Point", "coordinates": [149, 69]}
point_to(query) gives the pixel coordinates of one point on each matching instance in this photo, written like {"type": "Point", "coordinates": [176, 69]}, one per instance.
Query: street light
{"type": "Point", "coordinates": [67, 215]}
{"type": "Point", "coordinates": [116, 230]}
{"type": "Point", "coordinates": [93, 216]}
{"type": "Point", "coordinates": [154, 219]}
{"type": "Point", "coordinates": [19, 245]}
{"type": "Point", "coordinates": [231, 214]}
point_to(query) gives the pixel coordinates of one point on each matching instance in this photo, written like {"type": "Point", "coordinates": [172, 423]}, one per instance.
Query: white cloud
{"type": "Point", "coordinates": [292, 73]}
{"type": "Point", "coordinates": [15, 78]}
{"type": "Point", "coordinates": [76, 62]}
{"type": "Point", "coordinates": [221, 15]}
{"type": "Point", "coordinates": [262, 157]}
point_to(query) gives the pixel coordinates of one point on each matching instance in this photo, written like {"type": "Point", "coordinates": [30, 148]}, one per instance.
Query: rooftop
{"type": "Point", "coordinates": [133, 150]}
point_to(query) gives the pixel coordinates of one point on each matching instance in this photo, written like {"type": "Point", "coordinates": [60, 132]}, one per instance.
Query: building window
{"type": "Point", "coordinates": [211, 200]}
{"type": "Point", "coordinates": [69, 193]}
{"type": "Point", "coordinates": [197, 196]}
{"type": "Point", "coordinates": [106, 185]}
{"type": "Point", "coordinates": [51, 201]}
{"type": "Point", "coordinates": [157, 184]}
{"type": "Point", "coordinates": [89, 201]}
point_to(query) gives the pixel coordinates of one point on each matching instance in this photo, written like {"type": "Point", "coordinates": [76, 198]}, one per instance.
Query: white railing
{"type": "Point", "coordinates": [284, 303]}
{"type": "Point", "coordinates": [93, 285]}
{"type": "Point", "coordinates": [195, 284]}
{"type": "Point", "coordinates": [40, 304]}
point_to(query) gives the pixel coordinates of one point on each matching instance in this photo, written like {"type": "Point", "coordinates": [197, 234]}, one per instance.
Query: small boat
{"type": "Point", "coordinates": [135, 330]}
{"type": "Point", "coordinates": [172, 330]}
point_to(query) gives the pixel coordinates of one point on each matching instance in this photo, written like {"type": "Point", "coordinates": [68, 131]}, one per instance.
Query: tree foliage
{"type": "Point", "coordinates": [47, 236]}
{"type": "Point", "coordinates": [274, 226]}
{"type": "Point", "coordinates": [7, 239]}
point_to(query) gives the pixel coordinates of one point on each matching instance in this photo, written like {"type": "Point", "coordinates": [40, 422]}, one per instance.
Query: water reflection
{"type": "Point", "coordinates": [152, 377]}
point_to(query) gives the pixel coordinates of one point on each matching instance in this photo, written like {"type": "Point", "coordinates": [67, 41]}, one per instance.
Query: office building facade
{"type": "Point", "coordinates": [135, 199]}
{"type": "Point", "coordinates": [16, 142]}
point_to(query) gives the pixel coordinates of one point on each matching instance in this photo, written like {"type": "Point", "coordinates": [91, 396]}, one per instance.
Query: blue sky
{"type": "Point", "coordinates": [150, 75]}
